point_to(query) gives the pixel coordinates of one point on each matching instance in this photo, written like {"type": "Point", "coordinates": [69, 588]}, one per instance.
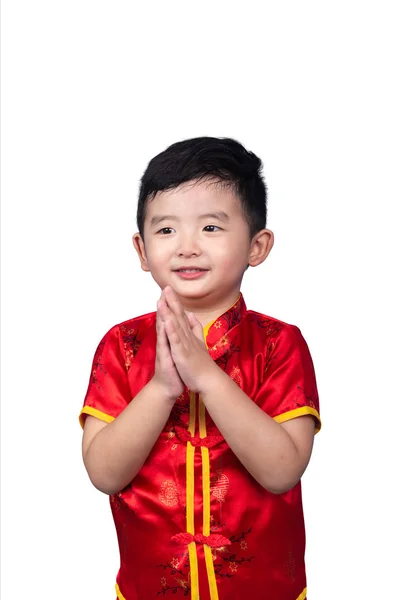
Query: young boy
{"type": "Point", "coordinates": [200, 417]}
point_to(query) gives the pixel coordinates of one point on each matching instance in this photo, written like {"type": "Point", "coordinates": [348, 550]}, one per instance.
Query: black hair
{"type": "Point", "coordinates": [203, 158]}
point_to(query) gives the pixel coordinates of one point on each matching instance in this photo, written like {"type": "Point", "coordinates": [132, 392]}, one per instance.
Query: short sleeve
{"type": "Point", "coordinates": [108, 391]}
{"type": "Point", "coordinates": [289, 387]}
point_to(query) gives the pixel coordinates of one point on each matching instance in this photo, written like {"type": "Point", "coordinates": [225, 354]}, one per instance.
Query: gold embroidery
{"type": "Point", "coordinates": [219, 486]}
{"type": "Point", "coordinates": [243, 545]}
{"type": "Point", "coordinates": [217, 324]}
{"type": "Point", "coordinates": [233, 567]}
{"type": "Point", "coordinates": [131, 344]}
{"type": "Point", "coordinates": [163, 581]}
{"type": "Point", "coordinates": [216, 551]}
{"type": "Point", "coordinates": [224, 341]}
{"type": "Point", "coordinates": [168, 493]}
{"type": "Point", "coordinates": [235, 374]}
{"type": "Point", "coordinates": [175, 563]}
{"type": "Point", "coordinates": [183, 583]}
{"type": "Point", "coordinates": [170, 436]}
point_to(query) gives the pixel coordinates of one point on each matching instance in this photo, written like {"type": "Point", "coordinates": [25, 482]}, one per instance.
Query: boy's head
{"type": "Point", "coordinates": [203, 158]}
{"type": "Point", "coordinates": [191, 178]}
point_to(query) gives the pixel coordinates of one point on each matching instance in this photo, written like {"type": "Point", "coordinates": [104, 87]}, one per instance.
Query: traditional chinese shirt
{"type": "Point", "coordinates": [193, 522]}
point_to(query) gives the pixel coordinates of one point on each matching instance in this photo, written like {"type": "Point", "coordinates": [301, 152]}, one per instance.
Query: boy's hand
{"type": "Point", "coordinates": [186, 341]}
{"type": "Point", "coordinates": [165, 375]}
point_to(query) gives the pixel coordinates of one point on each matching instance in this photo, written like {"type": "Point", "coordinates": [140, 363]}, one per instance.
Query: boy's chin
{"type": "Point", "coordinates": [188, 289]}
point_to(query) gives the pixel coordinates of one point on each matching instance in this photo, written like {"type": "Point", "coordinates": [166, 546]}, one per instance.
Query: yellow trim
{"type": "Point", "coordinates": [194, 570]}
{"type": "Point", "coordinates": [302, 595]}
{"type": "Point", "coordinates": [205, 332]}
{"type": "Point", "coordinates": [190, 488]}
{"type": "Point", "coordinates": [205, 463]}
{"type": "Point", "coordinates": [212, 582]}
{"type": "Point", "coordinates": [118, 591]}
{"type": "Point", "coordinates": [89, 410]}
{"type": "Point", "coordinates": [202, 420]}
{"type": "Point", "coordinates": [299, 412]}
{"type": "Point", "coordinates": [207, 327]}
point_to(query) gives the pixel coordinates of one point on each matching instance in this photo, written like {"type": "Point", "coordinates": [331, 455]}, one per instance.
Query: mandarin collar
{"type": "Point", "coordinates": [216, 333]}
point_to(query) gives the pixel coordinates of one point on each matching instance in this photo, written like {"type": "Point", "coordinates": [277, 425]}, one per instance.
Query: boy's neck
{"type": "Point", "coordinates": [208, 314]}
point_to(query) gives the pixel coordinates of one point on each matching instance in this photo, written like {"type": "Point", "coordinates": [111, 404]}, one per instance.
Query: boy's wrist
{"type": "Point", "coordinates": [214, 378]}
{"type": "Point", "coordinates": [160, 391]}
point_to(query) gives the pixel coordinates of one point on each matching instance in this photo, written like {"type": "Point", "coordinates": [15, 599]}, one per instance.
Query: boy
{"type": "Point", "coordinates": [200, 417]}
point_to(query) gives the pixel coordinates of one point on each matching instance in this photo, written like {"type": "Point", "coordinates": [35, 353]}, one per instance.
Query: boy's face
{"type": "Point", "coordinates": [199, 225]}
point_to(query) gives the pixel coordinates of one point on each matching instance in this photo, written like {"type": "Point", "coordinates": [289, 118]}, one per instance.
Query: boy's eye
{"type": "Point", "coordinates": [162, 231]}
{"type": "Point", "coordinates": [215, 226]}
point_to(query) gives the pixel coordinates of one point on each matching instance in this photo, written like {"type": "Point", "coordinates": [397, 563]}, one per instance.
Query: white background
{"type": "Point", "coordinates": [91, 91]}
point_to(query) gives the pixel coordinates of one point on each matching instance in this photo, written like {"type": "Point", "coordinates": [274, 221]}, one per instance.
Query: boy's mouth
{"type": "Point", "coordinates": [190, 269]}
{"type": "Point", "coordinates": [191, 273]}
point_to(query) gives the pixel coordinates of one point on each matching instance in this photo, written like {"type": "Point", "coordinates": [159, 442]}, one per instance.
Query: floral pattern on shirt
{"type": "Point", "coordinates": [131, 344]}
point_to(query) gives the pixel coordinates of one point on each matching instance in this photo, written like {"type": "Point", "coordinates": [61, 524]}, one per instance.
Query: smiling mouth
{"type": "Point", "coordinates": [190, 270]}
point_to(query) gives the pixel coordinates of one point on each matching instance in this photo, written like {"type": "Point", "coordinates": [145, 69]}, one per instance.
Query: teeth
{"type": "Point", "coordinates": [190, 270]}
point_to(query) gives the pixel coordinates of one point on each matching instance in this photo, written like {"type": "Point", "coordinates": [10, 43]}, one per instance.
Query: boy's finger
{"type": "Point", "coordinates": [160, 331]}
{"type": "Point", "coordinates": [197, 329]}
{"type": "Point", "coordinates": [179, 328]}
{"type": "Point", "coordinates": [163, 347]}
{"type": "Point", "coordinates": [157, 321]}
{"type": "Point", "coordinates": [177, 310]}
{"type": "Point", "coordinates": [160, 309]}
{"type": "Point", "coordinates": [163, 309]}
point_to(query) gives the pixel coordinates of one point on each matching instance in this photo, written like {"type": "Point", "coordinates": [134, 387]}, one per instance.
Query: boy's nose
{"type": "Point", "coordinates": [188, 246]}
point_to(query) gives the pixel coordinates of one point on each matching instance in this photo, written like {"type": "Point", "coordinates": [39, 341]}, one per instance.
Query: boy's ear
{"type": "Point", "coordinates": [138, 244]}
{"type": "Point", "coordinates": [261, 246]}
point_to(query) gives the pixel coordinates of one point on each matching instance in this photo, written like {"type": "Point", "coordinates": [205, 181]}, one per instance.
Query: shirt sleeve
{"type": "Point", "coordinates": [108, 391]}
{"type": "Point", "coordinates": [289, 387]}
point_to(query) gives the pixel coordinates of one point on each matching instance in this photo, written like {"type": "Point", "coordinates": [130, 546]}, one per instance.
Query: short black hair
{"type": "Point", "coordinates": [203, 158]}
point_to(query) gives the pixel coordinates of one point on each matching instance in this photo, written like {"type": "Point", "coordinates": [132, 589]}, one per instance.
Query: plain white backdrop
{"type": "Point", "coordinates": [90, 92]}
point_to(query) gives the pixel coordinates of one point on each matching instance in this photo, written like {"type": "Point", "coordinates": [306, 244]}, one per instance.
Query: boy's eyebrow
{"type": "Point", "coordinates": [220, 215]}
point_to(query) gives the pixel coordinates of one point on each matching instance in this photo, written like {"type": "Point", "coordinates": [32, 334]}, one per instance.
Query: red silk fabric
{"type": "Point", "coordinates": [261, 554]}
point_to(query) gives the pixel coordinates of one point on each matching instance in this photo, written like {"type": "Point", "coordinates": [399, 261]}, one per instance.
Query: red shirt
{"type": "Point", "coordinates": [194, 523]}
